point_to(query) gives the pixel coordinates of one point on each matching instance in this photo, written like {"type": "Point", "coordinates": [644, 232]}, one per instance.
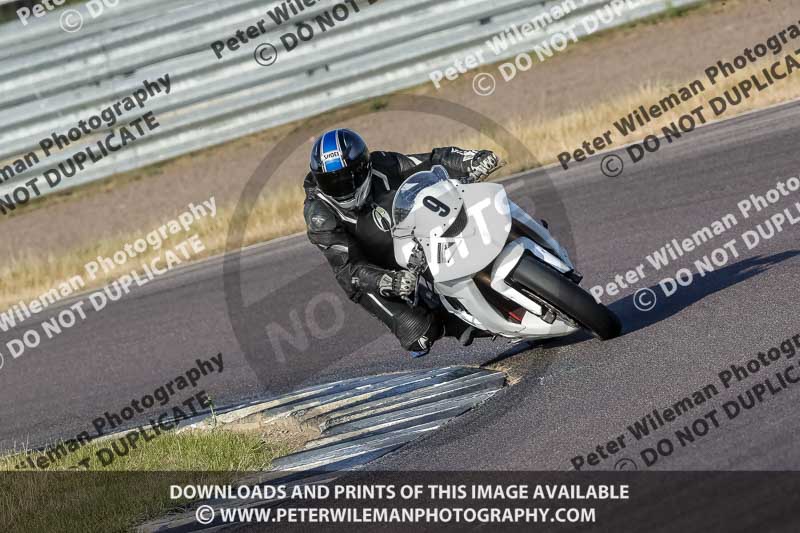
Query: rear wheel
{"type": "Point", "coordinates": [554, 289]}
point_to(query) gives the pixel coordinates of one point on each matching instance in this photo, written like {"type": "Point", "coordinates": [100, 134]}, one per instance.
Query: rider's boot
{"type": "Point", "coordinates": [465, 333]}
{"type": "Point", "coordinates": [422, 346]}
{"type": "Point", "coordinates": [450, 326]}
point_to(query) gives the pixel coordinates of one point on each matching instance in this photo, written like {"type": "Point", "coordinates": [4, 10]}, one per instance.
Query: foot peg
{"type": "Point", "coordinates": [575, 276]}
{"type": "Point", "coordinates": [549, 316]}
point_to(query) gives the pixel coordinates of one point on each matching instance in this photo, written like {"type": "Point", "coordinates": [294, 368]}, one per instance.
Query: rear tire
{"type": "Point", "coordinates": [566, 296]}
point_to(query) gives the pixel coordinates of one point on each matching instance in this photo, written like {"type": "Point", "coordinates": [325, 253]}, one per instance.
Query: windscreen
{"type": "Point", "coordinates": [408, 191]}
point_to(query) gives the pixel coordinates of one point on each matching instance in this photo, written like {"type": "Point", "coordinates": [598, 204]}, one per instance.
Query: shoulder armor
{"type": "Point", "coordinates": [319, 217]}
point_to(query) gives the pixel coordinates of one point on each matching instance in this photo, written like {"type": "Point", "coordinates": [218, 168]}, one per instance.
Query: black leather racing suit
{"type": "Point", "coordinates": [358, 245]}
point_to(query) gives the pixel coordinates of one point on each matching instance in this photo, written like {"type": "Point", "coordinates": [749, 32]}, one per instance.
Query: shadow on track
{"type": "Point", "coordinates": [633, 319]}
{"type": "Point", "coordinates": [544, 359]}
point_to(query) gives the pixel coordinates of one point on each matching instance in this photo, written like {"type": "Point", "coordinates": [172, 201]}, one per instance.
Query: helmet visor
{"type": "Point", "coordinates": [342, 184]}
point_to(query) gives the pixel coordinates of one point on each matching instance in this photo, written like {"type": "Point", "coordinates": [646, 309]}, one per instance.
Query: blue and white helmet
{"type": "Point", "coordinates": [341, 166]}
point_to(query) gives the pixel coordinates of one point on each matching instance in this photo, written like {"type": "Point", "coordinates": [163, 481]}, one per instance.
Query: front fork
{"type": "Point", "coordinates": [418, 265]}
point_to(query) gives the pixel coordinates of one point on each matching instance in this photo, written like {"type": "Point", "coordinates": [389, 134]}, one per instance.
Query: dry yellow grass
{"type": "Point", "coordinates": [29, 275]}
{"type": "Point", "coordinates": [280, 212]}
{"type": "Point", "coordinates": [547, 136]}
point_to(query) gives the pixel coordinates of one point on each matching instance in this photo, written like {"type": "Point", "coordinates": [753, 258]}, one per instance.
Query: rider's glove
{"type": "Point", "coordinates": [402, 283]}
{"type": "Point", "coordinates": [484, 162]}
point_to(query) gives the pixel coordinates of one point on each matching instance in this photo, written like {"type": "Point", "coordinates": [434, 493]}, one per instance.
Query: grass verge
{"type": "Point", "coordinates": [133, 488]}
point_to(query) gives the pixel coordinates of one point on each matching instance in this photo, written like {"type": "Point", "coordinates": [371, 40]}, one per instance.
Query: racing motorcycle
{"type": "Point", "coordinates": [488, 262]}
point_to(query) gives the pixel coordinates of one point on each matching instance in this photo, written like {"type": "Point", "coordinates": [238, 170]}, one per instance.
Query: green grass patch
{"type": "Point", "coordinates": [130, 490]}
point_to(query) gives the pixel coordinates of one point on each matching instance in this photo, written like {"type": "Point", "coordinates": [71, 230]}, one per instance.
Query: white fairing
{"type": "Point", "coordinates": [437, 209]}
{"type": "Point", "coordinates": [429, 204]}
{"type": "Point", "coordinates": [520, 215]}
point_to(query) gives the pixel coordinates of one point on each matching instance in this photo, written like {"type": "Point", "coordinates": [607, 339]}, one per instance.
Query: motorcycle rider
{"type": "Point", "coordinates": [349, 194]}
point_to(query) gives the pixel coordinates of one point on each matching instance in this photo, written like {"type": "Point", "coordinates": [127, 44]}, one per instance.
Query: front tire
{"type": "Point", "coordinates": [567, 297]}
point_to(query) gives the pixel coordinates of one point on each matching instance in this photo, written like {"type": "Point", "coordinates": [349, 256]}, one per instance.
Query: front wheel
{"type": "Point", "coordinates": [565, 296]}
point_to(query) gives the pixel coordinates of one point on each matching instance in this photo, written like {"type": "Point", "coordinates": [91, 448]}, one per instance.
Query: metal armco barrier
{"type": "Point", "coordinates": [51, 79]}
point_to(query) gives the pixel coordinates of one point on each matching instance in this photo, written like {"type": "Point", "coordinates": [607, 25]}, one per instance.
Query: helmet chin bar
{"type": "Point", "coordinates": [359, 198]}
{"type": "Point", "coordinates": [363, 191]}
{"type": "Point", "coordinates": [347, 205]}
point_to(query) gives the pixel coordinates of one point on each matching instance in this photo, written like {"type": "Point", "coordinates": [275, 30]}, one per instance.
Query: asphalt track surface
{"type": "Point", "coordinates": [573, 394]}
